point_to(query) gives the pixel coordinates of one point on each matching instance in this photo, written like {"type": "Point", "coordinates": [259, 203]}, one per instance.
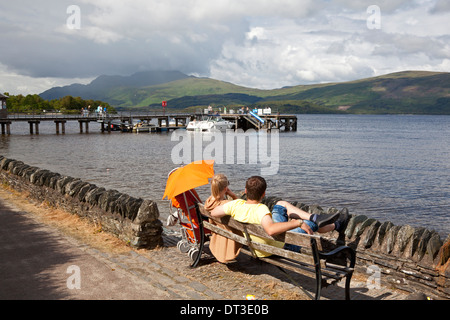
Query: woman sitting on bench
{"type": "Point", "coordinates": [223, 249]}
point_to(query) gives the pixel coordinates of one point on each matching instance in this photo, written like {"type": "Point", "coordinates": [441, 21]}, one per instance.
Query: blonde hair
{"type": "Point", "coordinates": [218, 183]}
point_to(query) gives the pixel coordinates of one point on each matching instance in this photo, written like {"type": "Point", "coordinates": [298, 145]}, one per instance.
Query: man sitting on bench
{"type": "Point", "coordinates": [284, 216]}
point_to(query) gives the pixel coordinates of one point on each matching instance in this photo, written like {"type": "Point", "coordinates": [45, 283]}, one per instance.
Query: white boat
{"type": "Point", "coordinates": [209, 123]}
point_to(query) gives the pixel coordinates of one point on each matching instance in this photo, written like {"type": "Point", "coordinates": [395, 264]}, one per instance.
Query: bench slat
{"type": "Point", "coordinates": [327, 274]}
{"type": "Point", "coordinates": [285, 259]}
{"type": "Point", "coordinates": [299, 239]}
{"type": "Point", "coordinates": [259, 246]}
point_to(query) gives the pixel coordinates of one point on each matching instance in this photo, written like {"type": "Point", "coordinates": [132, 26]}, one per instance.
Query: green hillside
{"type": "Point", "coordinates": [409, 92]}
{"type": "Point", "coordinates": [403, 92]}
{"type": "Point", "coordinates": [190, 87]}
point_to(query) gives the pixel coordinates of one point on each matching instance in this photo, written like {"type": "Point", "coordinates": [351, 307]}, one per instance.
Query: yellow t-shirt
{"type": "Point", "coordinates": [253, 214]}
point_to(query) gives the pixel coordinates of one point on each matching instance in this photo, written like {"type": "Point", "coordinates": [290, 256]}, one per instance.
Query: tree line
{"type": "Point", "coordinates": [68, 104]}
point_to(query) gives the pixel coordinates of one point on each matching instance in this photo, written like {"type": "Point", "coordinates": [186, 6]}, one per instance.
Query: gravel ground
{"type": "Point", "coordinates": [39, 244]}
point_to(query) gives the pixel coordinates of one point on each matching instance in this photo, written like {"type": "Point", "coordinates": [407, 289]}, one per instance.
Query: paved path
{"type": "Point", "coordinates": [38, 261]}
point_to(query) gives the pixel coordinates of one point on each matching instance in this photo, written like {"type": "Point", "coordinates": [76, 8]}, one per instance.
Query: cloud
{"type": "Point", "coordinates": [441, 6]}
{"type": "Point", "coordinates": [337, 45]}
{"type": "Point", "coordinates": [259, 43]}
{"type": "Point", "coordinates": [14, 83]}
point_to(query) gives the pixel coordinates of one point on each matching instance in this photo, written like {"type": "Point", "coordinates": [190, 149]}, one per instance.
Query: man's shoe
{"type": "Point", "coordinates": [324, 219]}
{"type": "Point", "coordinates": [342, 221]}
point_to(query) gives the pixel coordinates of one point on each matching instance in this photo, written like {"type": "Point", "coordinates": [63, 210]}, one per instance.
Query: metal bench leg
{"type": "Point", "coordinates": [315, 253]}
{"type": "Point", "coordinates": [349, 275]}
{"type": "Point", "coordinates": [348, 278]}
{"type": "Point", "coordinates": [318, 286]}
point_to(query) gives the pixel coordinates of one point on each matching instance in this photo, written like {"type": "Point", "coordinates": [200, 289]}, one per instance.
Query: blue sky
{"type": "Point", "coordinates": [256, 43]}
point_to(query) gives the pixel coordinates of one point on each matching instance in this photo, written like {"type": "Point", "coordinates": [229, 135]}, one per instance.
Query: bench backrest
{"type": "Point", "coordinates": [299, 239]}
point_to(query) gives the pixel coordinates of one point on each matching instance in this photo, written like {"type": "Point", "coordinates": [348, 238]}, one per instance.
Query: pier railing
{"type": "Point", "coordinates": [88, 116]}
{"type": "Point", "coordinates": [126, 119]}
{"type": "Point", "coordinates": [105, 119]}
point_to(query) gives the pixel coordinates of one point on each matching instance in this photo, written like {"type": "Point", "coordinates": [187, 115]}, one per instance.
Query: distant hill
{"type": "Point", "coordinates": [191, 90]}
{"type": "Point", "coordinates": [103, 86]}
{"type": "Point", "coordinates": [409, 92]}
{"type": "Point", "coordinates": [415, 92]}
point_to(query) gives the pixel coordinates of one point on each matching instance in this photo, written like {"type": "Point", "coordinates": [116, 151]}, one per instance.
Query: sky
{"type": "Point", "coordinates": [263, 44]}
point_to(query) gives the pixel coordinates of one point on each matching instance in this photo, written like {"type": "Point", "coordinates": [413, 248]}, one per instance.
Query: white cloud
{"type": "Point", "coordinates": [21, 84]}
{"type": "Point", "coordinates": [258, 43]}
{"type": "Point", "coordinates": [441, 6]}
{"type": "Point", "coordinates": [337, 46]}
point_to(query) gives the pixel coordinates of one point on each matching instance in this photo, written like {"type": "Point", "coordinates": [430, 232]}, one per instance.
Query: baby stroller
{"type": "Point", "coordinates": [180, 190]}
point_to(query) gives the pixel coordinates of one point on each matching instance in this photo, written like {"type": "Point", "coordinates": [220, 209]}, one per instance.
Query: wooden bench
{"type": "Point", "coordinates": [311, 258]}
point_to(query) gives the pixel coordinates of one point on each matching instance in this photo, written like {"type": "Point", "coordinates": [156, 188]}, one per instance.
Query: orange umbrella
{"type": "Point", "coordinates": [191, 176]}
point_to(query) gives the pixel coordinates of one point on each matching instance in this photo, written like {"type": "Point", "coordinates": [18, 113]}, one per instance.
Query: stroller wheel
{"type": "Point", "coordinates": [193, 253]}
{"type": "Point", "coordinates": [183, 246]}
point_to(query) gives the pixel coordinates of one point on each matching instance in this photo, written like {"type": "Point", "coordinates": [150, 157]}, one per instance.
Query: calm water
{"type": "Point", "coordinates": [393, 168]}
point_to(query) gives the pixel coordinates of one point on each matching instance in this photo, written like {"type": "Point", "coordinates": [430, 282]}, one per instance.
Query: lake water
{"type": "Point", "coordinates": [388, 167]}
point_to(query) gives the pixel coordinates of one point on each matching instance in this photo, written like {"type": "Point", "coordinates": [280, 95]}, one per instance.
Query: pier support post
{"type": "Point", "coordinates": [81, 125]}
{"type": "Point", "coordinates": [63, 126]}
{"type": "Point", "coordinates": [287, 126]}
{"type": "Point", "coordinates": [6, 128]}
{"type": "Point", "coordinates": [36, 123]}
{"type": "Point", "coordinates": [269, 126]}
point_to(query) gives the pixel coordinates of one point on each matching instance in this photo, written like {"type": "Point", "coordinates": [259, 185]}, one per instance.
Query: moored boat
{"type": "Point", "coordinates": [209, 123]}
{"type": "Point", "coordinates": [144, 127]}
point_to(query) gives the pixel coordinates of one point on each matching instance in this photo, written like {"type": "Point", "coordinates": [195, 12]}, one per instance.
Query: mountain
{"type": "Point", "coordinates": [101, 87]}
{"type": "Point", "coordinates": [408, 92]}
{"type": "Point", "coordinates": [415, 92]}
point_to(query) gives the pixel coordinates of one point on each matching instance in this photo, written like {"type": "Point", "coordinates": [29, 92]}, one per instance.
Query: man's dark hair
{"type": "Point", "coordinates": [256, 186]}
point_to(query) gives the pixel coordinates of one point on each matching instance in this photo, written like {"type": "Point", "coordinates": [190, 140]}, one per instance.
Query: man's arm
{"type": "Point", "coordinates": [218, 212]}
{"type": "Point", "coordinates": [275, 228]}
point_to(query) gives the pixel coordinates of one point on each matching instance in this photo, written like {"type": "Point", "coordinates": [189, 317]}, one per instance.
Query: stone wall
{"type": "Point", "coordinates": [410, 258]}
{"type": "Point", "coordinates": [133, 220]}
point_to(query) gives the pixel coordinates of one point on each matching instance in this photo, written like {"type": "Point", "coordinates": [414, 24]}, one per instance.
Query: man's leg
{"type": "Point", "coordinates": [293, 212]}
{"type": "Point", "coordinates": [296, 213]}
{"type": "Point", "coordinates": [280, 214]}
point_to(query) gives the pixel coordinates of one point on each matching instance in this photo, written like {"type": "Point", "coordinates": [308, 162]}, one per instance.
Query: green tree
{"type": "Point", "coordinates": [34, 103]}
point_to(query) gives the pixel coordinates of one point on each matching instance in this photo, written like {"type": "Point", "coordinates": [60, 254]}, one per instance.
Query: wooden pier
{"type": "Point", "coordinates": [124, 121]}
{"type": "Point", "coordinates": [263, 122]}
{"type": "Point", "coordinates": [106, 122]}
